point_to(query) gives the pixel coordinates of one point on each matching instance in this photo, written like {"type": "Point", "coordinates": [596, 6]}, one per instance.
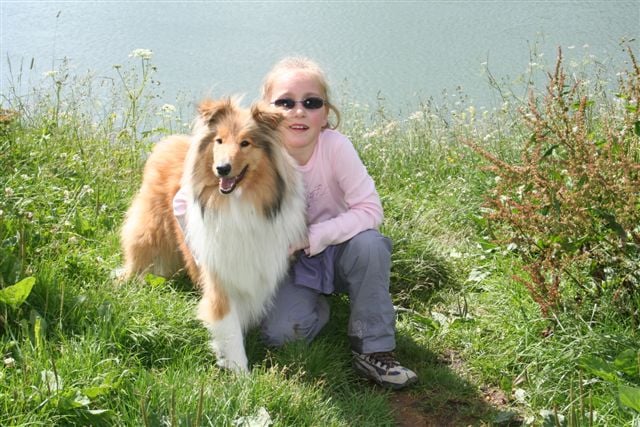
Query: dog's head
{"type": "Point", "coordinates": [239, 142]}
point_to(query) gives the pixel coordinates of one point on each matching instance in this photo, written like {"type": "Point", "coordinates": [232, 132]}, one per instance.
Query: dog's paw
{"type": "Point", "coordinates": [233, 366]}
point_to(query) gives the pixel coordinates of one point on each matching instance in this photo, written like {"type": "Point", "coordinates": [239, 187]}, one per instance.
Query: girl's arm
{"type": "Point", "coordinates": [363, 206]}
{"type": "Point", "coordinates": [180, 208]}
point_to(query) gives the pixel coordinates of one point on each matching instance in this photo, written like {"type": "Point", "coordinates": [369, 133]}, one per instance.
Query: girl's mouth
{"type": "Point", "coordinates": [298, 127]}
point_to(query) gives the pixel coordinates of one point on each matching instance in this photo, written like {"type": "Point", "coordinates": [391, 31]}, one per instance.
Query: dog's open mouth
{"type": "Point", "coordinates": [228, 184]}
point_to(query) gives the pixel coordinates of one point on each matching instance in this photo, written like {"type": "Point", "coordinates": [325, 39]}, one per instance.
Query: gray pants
{"type": "Point", "coordinates": [362, 267]}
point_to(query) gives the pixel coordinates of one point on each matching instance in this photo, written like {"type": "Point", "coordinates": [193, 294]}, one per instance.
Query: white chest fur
{"type": "Point", "coordinates": [245, 250]}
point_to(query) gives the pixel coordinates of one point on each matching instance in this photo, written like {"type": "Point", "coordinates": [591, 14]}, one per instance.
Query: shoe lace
{"type": "Point", "coordinates": [385, 359]}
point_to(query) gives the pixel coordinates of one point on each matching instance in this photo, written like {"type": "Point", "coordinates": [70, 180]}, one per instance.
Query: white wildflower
{"type": "Point", "coordinates": [520, 395]}
{"type": "Point", "coordinates": [260, 419]}
{"type": "Point", "coordinates": [552, 415]}
{"type": "Point", "coordinates": [9, 362]}
{"type": "Point", "coordinates": [417, 116]}
{"type": "Point", "coordinates": [141, 53]}
{"type": "Point", "coordinates": [477, 275]}
{"type": "Point", "coordinates": [168, 108]}
{"type": "Point", "coordinates": [52, 381]}
{"type": "Point", "coordinates": [455, 254]}
{"type": "Point", "coordinates": [8, 192]}
{"type": "Point", "coordinates": [390, 127]}
{"type": "Point", "coordinates": [50, 73]}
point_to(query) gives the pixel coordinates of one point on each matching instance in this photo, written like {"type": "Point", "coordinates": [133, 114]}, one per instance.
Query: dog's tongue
{"type": "Point", "coordinates": [227, 184]}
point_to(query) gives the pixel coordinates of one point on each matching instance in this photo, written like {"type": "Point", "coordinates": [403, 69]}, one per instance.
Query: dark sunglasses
{"type": "Point", "coordinates": [311, 103]}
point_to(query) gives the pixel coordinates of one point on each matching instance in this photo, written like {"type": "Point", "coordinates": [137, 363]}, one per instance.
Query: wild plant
{"type": "Point", "coordinates": [571, 203]}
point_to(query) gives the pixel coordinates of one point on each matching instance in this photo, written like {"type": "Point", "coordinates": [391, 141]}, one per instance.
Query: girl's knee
{"type": "Point", "coordinates": [370, 240]}
{"type": "Point", "coordinates": [365, 248]}
{"type": "Point", "coordinates": [291, 326]}
{"type": "Point", "coordinates": [278, 334]}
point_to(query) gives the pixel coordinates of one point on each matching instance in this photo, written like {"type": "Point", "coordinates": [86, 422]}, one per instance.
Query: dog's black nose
{"type": "Point", "coordinates": [223, 170]}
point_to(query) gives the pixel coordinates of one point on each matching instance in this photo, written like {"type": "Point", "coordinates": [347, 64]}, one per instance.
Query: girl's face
{"type": "Point", "coordinates": [302, 125]}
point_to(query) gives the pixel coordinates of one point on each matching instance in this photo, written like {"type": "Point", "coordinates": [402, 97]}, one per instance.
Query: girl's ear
{"type": "Point", "coordinates": [212, 111]}
{"type": "Point", "coordinates": [265, 114]}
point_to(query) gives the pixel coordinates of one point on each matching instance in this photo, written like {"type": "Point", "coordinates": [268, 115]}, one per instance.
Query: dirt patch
{"type": "Point", "coordinates": [414, 408]}
{"type": "Point", "coordinates": [410, 411]}
{"type": "Point", "coordinates": [407, 410]}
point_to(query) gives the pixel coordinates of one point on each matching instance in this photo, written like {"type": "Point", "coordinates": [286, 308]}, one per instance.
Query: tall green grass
{"type": "Point", "coordinates": [82, 349]}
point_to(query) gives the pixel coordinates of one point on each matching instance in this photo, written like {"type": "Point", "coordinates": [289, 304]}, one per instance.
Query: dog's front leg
{"type": "Point", "coordinates": [228, 343]}
{"type": "Point", "coordinates": [220, 316]}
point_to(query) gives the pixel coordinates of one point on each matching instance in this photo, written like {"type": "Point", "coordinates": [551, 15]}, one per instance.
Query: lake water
{"type": "Point", "coordinates": [401, 51]}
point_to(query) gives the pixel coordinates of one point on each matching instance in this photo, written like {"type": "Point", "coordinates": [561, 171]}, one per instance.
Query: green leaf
{"type": "Point", "coordinates": [153, 280]}
{"type": "Point", "coordinates": [81, 400]}
{"type": "Point", "coordinates": [629, 397]}
{"type": "Point", "coordinates": [93, 392]}
{"type": "Point", "coordinates": [628, 362]}
{"type": "Point", "coordinates": [636, 128]}
{"type": "Point", "coordinates": [16, 294]}
{"type": "Point", "coordinates": [550, 150]}
{"type": "Point", "coordinates": [598, 367]}
{"type": "Point", "coordinates": [612, 223]}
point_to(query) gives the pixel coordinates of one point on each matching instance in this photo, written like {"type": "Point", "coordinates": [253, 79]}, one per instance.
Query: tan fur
{"type": "Point", "coordinates": [151, 238]}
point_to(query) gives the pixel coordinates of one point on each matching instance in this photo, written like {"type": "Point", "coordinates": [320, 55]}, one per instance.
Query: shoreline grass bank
{"type": "Point", "coordinates": [79, 350]}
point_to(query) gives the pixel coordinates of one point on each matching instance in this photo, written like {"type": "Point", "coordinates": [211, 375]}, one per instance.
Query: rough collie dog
{"type": "Point", "coordinates": [245, 210]}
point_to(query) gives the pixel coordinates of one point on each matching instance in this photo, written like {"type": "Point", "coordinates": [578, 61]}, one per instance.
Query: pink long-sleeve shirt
{"type": "Point", "coordinates": [342, 200]}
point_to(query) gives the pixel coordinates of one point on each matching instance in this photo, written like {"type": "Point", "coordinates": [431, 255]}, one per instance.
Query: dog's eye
{"type": "Point", "coordinates": [245, 143]}
{"type": "Point", "coordinates": [218, 140]}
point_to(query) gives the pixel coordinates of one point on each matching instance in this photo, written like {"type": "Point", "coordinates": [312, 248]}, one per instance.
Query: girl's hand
{"type": "Point", "coordinates": [302, 245]}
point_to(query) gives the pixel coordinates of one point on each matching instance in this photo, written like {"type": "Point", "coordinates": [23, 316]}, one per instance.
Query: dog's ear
{"type": "Point", "coordinates": [265, 114]}
{"type": "Point", "coordinates": [212, 111]}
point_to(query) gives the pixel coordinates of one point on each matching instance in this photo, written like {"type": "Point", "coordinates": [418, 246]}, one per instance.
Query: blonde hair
{"type": "Point", "coordinates": [309, 66]}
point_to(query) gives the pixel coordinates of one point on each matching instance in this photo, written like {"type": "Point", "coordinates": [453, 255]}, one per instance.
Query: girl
{"type": "Point", "coordinates": [344, 251]}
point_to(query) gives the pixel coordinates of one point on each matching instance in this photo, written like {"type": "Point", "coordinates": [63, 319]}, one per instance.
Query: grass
{"type": "Point", "coordinates": [84, 350]}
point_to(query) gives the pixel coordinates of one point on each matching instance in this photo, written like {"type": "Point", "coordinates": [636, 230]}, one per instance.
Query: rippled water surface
{"type": "Point", "coordinates": [403, 52]}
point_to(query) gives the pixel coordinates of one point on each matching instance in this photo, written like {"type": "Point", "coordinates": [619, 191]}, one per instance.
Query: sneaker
{"type": "Point", "coordinates": [384, 369]}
